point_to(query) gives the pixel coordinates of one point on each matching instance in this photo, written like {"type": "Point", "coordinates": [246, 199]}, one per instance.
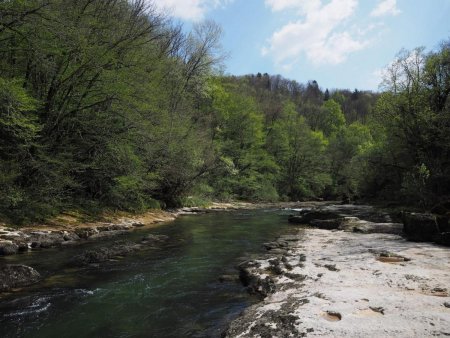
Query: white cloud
{"type": "Point", "coordinates": [192, 10]}
{"type": "Point", "coordinates": [386, 7]}
{"type": "Point", "coordinates": [336, 49]}
{"type": "Point", "coordinates": [318, 34]}
{"type": "Point", "coordinates": [301, 5]}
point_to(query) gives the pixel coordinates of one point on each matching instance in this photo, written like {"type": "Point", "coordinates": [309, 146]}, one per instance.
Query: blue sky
{"type": "Point", "coordinates": [338, 43]}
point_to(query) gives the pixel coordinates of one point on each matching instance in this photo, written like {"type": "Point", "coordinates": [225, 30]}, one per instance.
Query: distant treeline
{"type": "Point", "coordinates": [108, 104]}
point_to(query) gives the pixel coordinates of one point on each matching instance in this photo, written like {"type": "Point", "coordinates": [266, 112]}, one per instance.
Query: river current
{"type": "Point", "coordinates": [172, 291]}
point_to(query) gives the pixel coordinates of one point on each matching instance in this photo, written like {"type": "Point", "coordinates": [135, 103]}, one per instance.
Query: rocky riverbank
{"type": "Point", "coordinates": [355, 280]}
{"type": "Point", "coordinates": [41, 237]}
{"type": "Point", "coordinates": [68, 230]}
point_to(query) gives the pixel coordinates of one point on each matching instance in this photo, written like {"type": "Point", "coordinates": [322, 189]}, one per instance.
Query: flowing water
{"type": "Point", "coordinates": [173, 291]}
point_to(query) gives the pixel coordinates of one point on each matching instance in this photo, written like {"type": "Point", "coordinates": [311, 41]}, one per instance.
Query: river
{"type": "Point", "coordinates": [173, 291]}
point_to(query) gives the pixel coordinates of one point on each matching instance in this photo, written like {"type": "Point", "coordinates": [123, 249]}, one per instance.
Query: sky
{"type": "Point", "coordinates": [342, 44]}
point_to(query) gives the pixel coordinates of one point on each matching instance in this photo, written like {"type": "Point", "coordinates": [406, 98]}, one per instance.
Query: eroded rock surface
{"type": "Point", "coordinates": [348, 284]}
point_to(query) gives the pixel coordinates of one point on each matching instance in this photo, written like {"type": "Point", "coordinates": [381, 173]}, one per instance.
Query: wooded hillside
{"type": "Point", "coordinates": [110, 104]}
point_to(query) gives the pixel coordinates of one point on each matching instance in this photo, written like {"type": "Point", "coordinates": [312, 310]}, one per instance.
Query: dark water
{"type": "Point", "coordinates": [173, 291]}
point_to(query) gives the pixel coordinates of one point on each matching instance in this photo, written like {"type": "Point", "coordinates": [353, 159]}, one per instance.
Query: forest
{"type": "Point", "coordinates": [111, 105]}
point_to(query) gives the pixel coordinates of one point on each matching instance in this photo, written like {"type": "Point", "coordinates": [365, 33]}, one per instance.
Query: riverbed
{"type": "Point", "coordinates": [174, 290]}
{"type": "Point", "coordinates": [359, 278]}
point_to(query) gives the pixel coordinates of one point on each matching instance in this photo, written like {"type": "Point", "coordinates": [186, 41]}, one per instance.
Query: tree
{"type": "Point", "coordinates": [119, 90]}
{"type": "Point", "coordinates": [416, 124]}
{"type": "Point", "coordinates": [348, 150]}
{"type": "Point", "coordinates": [300, 154]}
{"type": "Point", "coordinates": [18, 132]}
{"type": "Point", "coordinates": [326, 96]}
{"type": "Point", "coordinates": [332, 118]}
{"type": "Point", "coordinates": [247, 171]}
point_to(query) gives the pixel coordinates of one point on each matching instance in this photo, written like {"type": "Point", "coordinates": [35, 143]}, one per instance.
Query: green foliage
{"type": "Point", "coordinates": [348, 151]}
{"type": "Point", "coordinates": [246, 170]}
{"type": "Point", "coordinates": [18, 133]}
{"type": "Point", "coordinates": [332, 118]}
{"type": "Point", "coordinates": [300, 154]}
{"type": "Point", "coordinates": [18, 122]}
{"type": "Point", "coordinates": [412, 161]}
{"type": "Point", "coordinates": [118, 122]}
{"type": "Point", "coordinates": [107, 104]}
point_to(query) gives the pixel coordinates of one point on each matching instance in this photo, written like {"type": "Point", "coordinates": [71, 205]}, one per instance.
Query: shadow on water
{"type": "Point", "coordinates": [173, 291]}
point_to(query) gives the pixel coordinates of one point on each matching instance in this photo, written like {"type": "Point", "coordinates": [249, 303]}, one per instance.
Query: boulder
{"type": "Point", "coordinates": [15, 276]}
{"type": "Point", "coordinates": [8, 248]}
{"type": "Point", "coordinates": [85, 233]}
{"type": "Point", "coordinates": [354, 224]}
{"type": "Point", "coordinates": [442, 208]}
{"type": "Point", "coordinates": [420, 227]}
{"type": "Point", "coordinates": [22, 245]}
{"type": "Point", "coordinates": [70, 236]}
{"type": "Point", "coordinates": [443, 222]}
{"type": "Point", "coordinates": [45, 244]}
{"type": "Point", "coordinates": [306, 216]}
{"type": "Point", "coordinates": [443, 238]}
{"type": "Point", "coordinates": [108, 234]}
{"type": "Point", "coordinates": [45, 239]}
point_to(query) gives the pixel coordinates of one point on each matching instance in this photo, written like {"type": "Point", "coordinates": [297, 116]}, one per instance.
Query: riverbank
{"type": "Point", "coordinates": [68, 230]}
{"type": "Point", "coordinates": [342, 283]}
{"type": "Point", "coordinates": [71, 228]}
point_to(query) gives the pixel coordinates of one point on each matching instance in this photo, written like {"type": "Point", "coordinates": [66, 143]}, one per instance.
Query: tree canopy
{"type": "Point", "coordinates": [110, 104]}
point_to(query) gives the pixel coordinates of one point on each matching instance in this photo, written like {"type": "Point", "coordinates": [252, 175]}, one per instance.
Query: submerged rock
{"type": "Point", "coordinates": [228, 278]}
{"type": "Point", "coordinates": [104, 254]}
{"type": "Point", "coordinates": [15, 276]}
{"type": "Point", "coordinates": [155, 238]}
{"type": "Point", "coordinates": [117, 249]}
